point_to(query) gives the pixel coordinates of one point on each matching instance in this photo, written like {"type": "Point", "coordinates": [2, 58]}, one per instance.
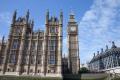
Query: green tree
{"type": "Point", "coordinates": [84, 70]}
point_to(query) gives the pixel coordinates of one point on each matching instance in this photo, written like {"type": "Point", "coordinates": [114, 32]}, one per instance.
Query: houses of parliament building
{"type": "Point", "coordinates": [28, 52]}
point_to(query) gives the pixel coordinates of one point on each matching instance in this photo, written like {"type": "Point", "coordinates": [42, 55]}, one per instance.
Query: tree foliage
{"type": "Point", "coordinates": [84, 70]}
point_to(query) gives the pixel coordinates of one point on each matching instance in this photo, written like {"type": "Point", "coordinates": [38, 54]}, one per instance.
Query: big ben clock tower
{"type": "Point", "coordinates": [73, 45]}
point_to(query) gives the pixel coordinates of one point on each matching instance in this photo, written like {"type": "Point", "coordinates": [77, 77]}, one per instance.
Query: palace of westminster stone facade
{"type": "Point", "coordinates": [28, 52]}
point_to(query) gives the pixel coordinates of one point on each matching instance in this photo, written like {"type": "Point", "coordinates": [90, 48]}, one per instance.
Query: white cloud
{"type": "Point", "coordinates": [98, 26]}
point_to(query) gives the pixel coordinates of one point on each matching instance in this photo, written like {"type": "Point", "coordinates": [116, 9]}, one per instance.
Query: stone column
{"type": "Point", "coordinates": [7, 50]}
{"type": "Point", "coordinates": [68, 41]}
{"type": "Point", "coordinates": [29, 52]}
{"type": "Point", "coordinates": [78, 58]}
{"type": "Point", "coordinates": [43, 55]}
{"type": "Point", "coordinates": [59, 59]}
{"type": "Point", "coordinates": [36, 54]}
{"type": "Point", "coordinates": [21, 50]}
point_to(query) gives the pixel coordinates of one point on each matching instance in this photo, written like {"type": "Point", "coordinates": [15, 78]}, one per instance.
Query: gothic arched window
{"type": "Point", "coordinates": [39, 59]}
{"type": "Point", "coordinates": [12, 58]}
{"type": "Point", "coordinates": [18, 30]}
{"type": "Point", "coordinates": [32, 59]}
{"type": "Point", "coordinates": [25, 59]}
{"type": "Point", "coordinates": [53, 29]}
{"type": "Point", "coordinates": [52, 59]}
{"type": "Point", "coordinates": [33, 45]}
{"type": "Point", "coordinates": [15, 44]}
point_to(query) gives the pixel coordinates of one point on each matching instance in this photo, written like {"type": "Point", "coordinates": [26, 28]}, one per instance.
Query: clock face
{"type": "Point", "coordinates": [73, 29]}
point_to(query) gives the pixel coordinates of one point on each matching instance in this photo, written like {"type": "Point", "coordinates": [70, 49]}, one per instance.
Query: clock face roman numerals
{"type": "Point", "coordinates": [73, 29]}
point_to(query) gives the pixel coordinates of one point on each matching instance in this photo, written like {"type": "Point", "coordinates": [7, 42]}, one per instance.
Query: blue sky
{"type": "Point", "coordinates": [99, 20]}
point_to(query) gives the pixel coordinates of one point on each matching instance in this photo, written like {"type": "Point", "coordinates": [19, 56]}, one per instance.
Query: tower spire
{"type": "Point", "coordinates": [47, 16]}
{"type": "Point", "coordinates": [27, 15]}
{"type": "Point", "coordinates": [61, 17]}
{"type": "Point", "coordinates": [32, 24]}
{"type": "Point", "coordinates": [14, 16]}
{"type": "Point", "coordinates": [3, 39]}
{"type": "Point", "coordinates": [72, 18]}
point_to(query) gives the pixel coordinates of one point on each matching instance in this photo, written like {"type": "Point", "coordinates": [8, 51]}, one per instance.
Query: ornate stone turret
{"type": "Point", "coordinates": [113, 45]}
{"type": "Point", "coordinates": [14, 17]}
